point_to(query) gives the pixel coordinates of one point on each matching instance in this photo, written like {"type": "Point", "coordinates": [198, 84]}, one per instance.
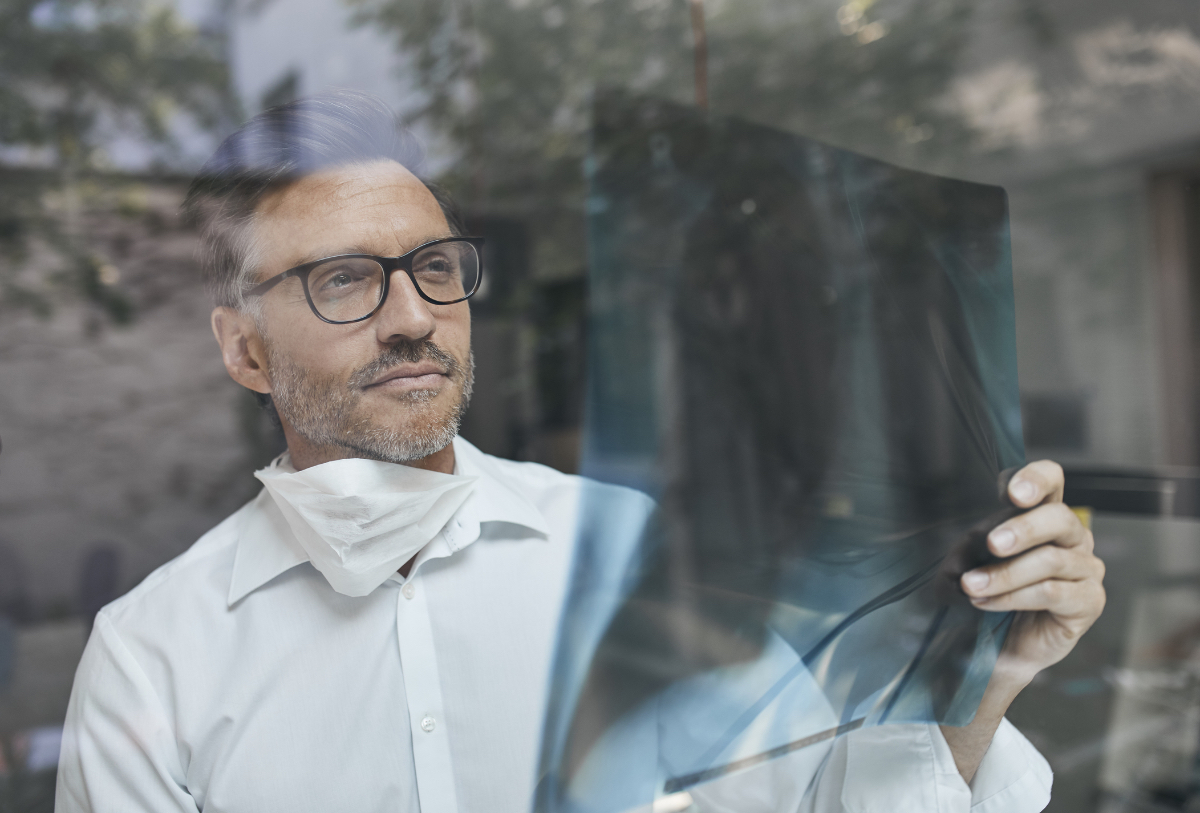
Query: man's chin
{"type": "Point", "coordinates": [403, 442]}
{"type": "Point", "coordinates": [403, 454]}
{"type": "Point", "coordinates": [404, 427]}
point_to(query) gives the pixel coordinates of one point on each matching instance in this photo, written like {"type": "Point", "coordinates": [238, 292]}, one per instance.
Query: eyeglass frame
{"type": "Point", "coordinates": [390, 265]}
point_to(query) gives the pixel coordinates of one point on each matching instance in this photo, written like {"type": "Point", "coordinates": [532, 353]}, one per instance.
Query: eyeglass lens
{"type": "Point", "coordinates": [346, 289]}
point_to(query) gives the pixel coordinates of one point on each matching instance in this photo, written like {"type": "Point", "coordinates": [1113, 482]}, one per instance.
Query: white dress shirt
{"type": "Point", "coordinates": [234, 678]}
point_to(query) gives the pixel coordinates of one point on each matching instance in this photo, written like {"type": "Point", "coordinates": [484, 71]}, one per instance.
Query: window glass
{"type": "Point", "coordinates": [807, 274]}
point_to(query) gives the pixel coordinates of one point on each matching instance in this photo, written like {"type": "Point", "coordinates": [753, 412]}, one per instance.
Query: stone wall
{"type": "Point", "coordinates": [129, 436]}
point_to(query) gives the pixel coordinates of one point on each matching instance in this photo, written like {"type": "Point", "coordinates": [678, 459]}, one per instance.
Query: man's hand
{"type": "Point", "coordinates": [1051, 576]}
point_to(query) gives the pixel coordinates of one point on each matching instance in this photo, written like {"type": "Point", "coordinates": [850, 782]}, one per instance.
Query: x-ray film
{"type": "Point", "coordinates": [806, 358]}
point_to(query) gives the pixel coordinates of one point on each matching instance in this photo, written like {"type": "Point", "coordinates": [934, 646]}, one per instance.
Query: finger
{"type": "Point", "coordinates": [1053, 522]}
{"type": "Point", "coordinates": [1041, 563]}
{"type": "Point", "coordinates": [1067, 600]}
{"type": "Point", "coordinates": [1040, 481]}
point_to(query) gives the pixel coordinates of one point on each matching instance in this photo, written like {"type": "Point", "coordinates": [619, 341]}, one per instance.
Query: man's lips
{"type": "Point", "coordinates": [410, 376]}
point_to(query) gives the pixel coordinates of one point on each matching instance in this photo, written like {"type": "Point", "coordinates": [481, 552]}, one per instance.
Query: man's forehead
{"type": "Point", "coordinates": [376, 207]}
{"type": "Point", "coordinates": [335, 187]}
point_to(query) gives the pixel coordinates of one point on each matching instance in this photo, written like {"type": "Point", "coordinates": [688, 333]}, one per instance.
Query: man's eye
{"type": "Point", "coordinates": [343, 278]}
{"type": "Point", "coordinates": [435, 265]}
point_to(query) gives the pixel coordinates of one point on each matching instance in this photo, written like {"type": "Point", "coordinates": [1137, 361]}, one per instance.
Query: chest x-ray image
{"type": "Point", "coordinates": [806, 357]}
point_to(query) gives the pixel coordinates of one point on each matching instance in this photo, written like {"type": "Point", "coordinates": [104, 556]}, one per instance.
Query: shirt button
{"type": "Point", "coordinates": [409, 590]}
{"type": "Point", "coordinates": [428, 724]}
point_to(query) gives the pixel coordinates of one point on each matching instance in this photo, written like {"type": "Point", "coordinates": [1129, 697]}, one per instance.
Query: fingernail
{"type": "Point", "coordinates": [976, 580]}
{"type": "Point", "coordinates": [1003, 540]}
{"type": "Point", "coordinates": [979, 601]}
{"type": "Point", "coordinates": [1024, 491]}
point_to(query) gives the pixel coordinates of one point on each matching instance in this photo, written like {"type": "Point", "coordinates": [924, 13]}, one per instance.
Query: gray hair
{"type": "Point", "coordinates": [278, 147]}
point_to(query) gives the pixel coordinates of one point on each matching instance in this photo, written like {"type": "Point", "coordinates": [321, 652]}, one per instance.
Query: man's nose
{"type": "Point", "coordinates": [404, 315]}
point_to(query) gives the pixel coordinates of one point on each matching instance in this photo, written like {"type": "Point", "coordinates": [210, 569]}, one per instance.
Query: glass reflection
{"type": "Point", "coordinates": [120, 429]}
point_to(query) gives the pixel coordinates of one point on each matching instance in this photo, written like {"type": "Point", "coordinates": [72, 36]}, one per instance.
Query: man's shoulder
{"type": "Point", "coordinates": [536, 480]}
{"type": "Point", "coordinates": [194, 575]}
{"type": "Point", "coordinates": [526, 475]}
{"type": "Point", "coordinates": [578, 501]}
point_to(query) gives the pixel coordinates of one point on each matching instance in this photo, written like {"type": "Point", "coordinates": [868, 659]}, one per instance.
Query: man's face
{"type": "Point", "coordinates": [392, 387]}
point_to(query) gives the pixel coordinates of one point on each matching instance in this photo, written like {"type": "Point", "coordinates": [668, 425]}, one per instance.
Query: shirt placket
{"type": "Point", "coordinates": [423, 690]}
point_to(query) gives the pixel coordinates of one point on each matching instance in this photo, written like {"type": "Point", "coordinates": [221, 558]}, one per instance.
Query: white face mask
{"type": "Point", "coordinates": [360, 520]}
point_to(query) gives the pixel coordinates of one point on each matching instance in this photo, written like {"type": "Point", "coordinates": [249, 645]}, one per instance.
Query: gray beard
{"type": "Point", "coordinates": [325, 412]}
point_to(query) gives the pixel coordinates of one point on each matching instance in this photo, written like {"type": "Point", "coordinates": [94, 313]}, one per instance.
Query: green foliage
{"type": "Point", "coordinates": [509, 82]}
{"type": "Point", "coordinates": [73, 74]}
{"type": "Point", "coordinates": [866, 76]}
{"type": "Point", "coordinates": [69, 66]}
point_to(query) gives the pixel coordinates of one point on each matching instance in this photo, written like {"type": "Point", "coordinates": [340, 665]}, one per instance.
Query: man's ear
{"type": "Point", "coordinates": [242, 348]}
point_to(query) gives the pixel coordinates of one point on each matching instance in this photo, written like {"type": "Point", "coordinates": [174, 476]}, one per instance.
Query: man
{"type": "Point", "coordinates": [374, 630]}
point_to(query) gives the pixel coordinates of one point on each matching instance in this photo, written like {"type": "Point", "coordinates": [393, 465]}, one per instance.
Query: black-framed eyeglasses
{"type": "Point", "coordinates": [352, 287]}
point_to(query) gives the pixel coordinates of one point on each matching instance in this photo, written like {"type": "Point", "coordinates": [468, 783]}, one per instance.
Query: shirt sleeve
{"type": "Point", "coordinates": [910, 769]}
{"type": "Point", "coordinates": [118, 751]}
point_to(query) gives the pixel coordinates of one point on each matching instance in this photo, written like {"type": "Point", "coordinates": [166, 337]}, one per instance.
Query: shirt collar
{"type": "Point", "coordinates": [266, 546]}
{"type": "Point", "coordinates": [494, 500]}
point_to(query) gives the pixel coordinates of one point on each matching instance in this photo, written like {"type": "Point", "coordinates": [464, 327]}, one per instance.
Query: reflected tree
{"type": "Point", "coordinates": [867, 76]}
{"type": "Point", "coordinates": [509, 82]}
{"type": "Point", "coordinates": [75, 76]}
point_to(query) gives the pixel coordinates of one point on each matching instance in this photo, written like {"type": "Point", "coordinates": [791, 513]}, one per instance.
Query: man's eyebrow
{"type": "Point", "coordinates": [321, 255]}
{"type": "Point", "coordinates": [314, 257]}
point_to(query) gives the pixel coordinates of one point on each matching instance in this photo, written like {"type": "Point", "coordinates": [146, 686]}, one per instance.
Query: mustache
{"type": "Point", "coordinates": [406, 352]}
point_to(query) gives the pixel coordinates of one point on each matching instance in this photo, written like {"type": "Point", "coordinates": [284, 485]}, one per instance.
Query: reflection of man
{"type": "Point", "coordinates": [406, 668]}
